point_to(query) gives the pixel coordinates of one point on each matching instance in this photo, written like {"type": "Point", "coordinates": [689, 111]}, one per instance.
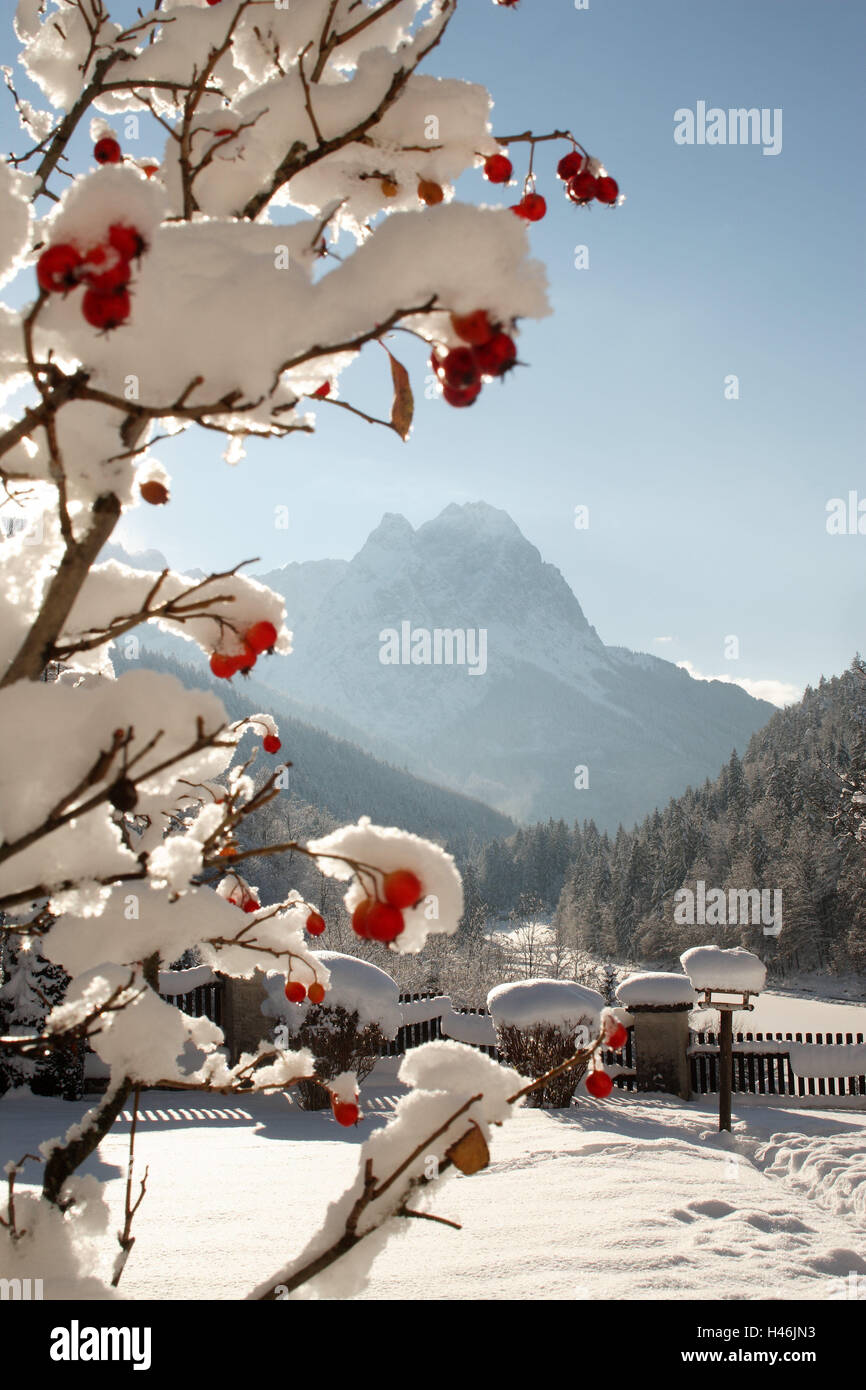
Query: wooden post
{"type": "Point", "coordinates": [726, 1058]}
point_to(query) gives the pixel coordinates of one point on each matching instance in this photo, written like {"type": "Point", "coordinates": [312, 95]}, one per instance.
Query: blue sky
{"type": "Point", "coordinates": [707, 515]}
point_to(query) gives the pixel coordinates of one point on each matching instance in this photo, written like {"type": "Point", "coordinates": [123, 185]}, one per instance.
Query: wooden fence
{"type": "Point", "coordinates": [429, 1030]}
{"type": "Point", "coordinates": [205, 1000]}
{"type": "Point", "coordinates": [767, 1071]}
{"type": "Point", "coordinates": [414, 1034]}
{"type": "Point", "coordinates": [626, 1081]}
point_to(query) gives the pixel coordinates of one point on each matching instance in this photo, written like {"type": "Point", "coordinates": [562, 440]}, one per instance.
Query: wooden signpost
{"type": "Point", "coordinates": [726, 1009]}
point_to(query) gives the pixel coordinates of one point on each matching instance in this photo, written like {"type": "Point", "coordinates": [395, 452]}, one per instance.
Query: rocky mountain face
{"type": "Point", "coordinates": [456, 651]}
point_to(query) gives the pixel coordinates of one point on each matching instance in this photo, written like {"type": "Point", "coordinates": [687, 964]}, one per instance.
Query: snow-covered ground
{"type": "Point", "coordinates": [635, 1198]}
{"type": "Point", "coordinates": [792, 1013]}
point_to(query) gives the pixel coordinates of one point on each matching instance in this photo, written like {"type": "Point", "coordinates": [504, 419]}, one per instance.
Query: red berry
{"type": "Point", "coordinates": [359, 917]}
{"type": "Point", "coordinates": [295, 992]}
{"type": "Point", "coordinates": [150, 170]}
{"type": "Point", "coordinates": [104, 270]}
{"type": "Point", "coordinates": [261, 637]}
{"type": "Point", "coordinates": [56, 268]}
{"type": "Point", "coordinates": [607, 190]}
{"type": "Point", "coordinates": [315, 924]}
{"type": "Point", "coordinates": [345, 1112]}
{"type": "Point", "coordinates": [599, 1084]}
{"type": "Point", "coordinates": [247, 659]}
{"type": "Point", "coordinates": [271, 743]}
{"type": "Point", "coordinates": [213, 2]}
{"type": "Point", "coordinates": [108, 310]}
{"type": "Point", "coordinates": [534, 207]}
{"type": "Point", "coordinates": [316, 993]}
{"type": "Point", "coordinates": [154, 492]}
{"type": "Point", "coordinates": [250, 905]}
{"type": "Point", "coordinates": [384, 922]}
{"type": "Point", "coordinates": [473, 328]}
{"type": "Point", "coordinates": [322, 391]}
{"type": "Point", "coordinates": [582, 187]}
{"type": "Point", "coordinates": [616, 1036]}
{"type": "Point", "coordinates": [127, 241]}
{"type": "Point", "coordinates": [223, 666]}
{"type": "Point", "coordinates": [460, 369]}
{"type": "Point", "coordinates": [498, 168]}
{"type": "Point", "coordinates": [402, 888]}
{"type": "Point", "coordinates": [495, 357]}
{"type": "Point", "coordinates": [457, 396]}
{"type": "Point", "coordinates": [107, 151]}
{"type": "Point", "coordinates": [519, 210]}
{"type": "Point", "coordinates": [569, 165]}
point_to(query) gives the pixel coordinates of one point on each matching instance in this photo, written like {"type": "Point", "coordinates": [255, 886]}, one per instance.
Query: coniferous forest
{"type": "Point", "coordinates": [769, 821]}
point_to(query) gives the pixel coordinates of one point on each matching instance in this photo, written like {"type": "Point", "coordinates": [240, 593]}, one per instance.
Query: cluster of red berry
{"type": "Point", "coordinates": [581, 185]}
{"type": "Point", "coordinates": [462, 370]}
{"type": "Point", "coordinates": [259, 638]}
{"type": "Point", "coordinates": [105, 270]}
{"type": "Point", "coordinates": [377, 920]}
{"type": "Point", "coordinates": [296, 993]}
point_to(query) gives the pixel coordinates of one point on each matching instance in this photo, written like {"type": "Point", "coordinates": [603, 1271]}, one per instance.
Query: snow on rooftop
{"type": "Point", "coordinates": [732, 971]}
{"type": "Point", "coordinates": [655, 988]}
{"type": "Point", "coordinates": [560, 1003]}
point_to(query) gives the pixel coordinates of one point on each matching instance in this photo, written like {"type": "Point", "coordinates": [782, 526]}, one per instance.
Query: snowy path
{"type": "Point", "coordinates": [627, 1200]}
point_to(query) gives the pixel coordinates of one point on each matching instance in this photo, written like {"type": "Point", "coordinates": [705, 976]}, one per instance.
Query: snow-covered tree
{"type": "Point", "coordinates": [200, 286]}
{"type": "Point", "coordinates": [31, 986]}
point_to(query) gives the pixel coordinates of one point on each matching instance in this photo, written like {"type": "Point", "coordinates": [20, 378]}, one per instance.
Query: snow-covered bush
{"type": "Point", "coordinates": [347, 1031]}
{"type": "Point", "coordinates": [541, 1023]}
{"type": "Point", "coordinates": [169, 294]}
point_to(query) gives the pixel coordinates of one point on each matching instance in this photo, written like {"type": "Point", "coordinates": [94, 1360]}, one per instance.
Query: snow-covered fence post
{"type": "Point", "coordinates": [243, 1024]}
{"type": "Point", "coordinates": [714, 972]}
{"type": "Point", "coordinates": [660, 1003]}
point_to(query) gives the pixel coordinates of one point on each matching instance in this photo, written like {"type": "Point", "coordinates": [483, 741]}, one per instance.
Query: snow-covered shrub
{"type": "Point", "coordinates": [539, 1025]}
{"type": "Point", "coordinates": [339, 1043]}
{"type": "Point", "coordinates": [348, 1031]}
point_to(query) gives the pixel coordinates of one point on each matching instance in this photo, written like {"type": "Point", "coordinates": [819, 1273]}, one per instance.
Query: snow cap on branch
{"type": "Point", "coordinates": [379, 851]}
{"type": "Point", "coordinates": [146, 1038]}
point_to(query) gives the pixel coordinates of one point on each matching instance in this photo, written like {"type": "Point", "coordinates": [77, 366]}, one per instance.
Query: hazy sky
{"type": "Point", "coordinates": [707, 515]}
